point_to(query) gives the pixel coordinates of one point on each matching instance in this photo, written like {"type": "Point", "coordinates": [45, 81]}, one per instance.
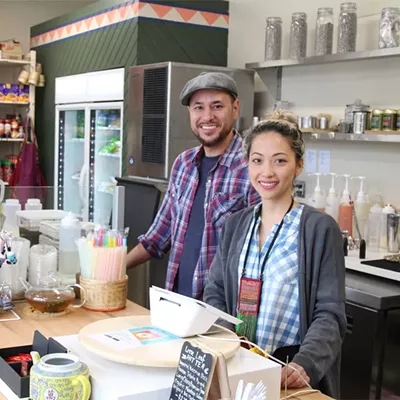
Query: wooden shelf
{"type": "Point", "coordinates": [9, 103]}
{"type": "Point", "coordinates": [14, 63]}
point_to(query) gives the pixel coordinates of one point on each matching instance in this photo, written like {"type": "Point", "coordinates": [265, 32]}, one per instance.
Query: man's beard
{"type": "Point", "coordinates": [215, 141]}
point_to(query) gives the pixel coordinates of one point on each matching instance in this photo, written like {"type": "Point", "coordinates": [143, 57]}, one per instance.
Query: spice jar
{"type": "Point", "coordinates": [273, 38]}
{"type": "Point", "coordinates": [389, 28]}
{"type": "Point", "coordinates": [347, 28]}
{"type": "Point", "coordinates": [7, 171]}
{"type": "Point", "coordinates": [7, 128]}
{"type": "Point", "coordinates": [298, 36]}
{"type": "Point", "coordinates": [324, 32]}
{"type": "Point", "coordinates": [2, 128]}
{"type": "Point", "coordinates": [21, 131]}
{"type": "Point", "coordinates": [14, 128]}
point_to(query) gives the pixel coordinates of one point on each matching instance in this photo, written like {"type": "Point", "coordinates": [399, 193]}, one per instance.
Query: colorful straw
{"type": "Point", "coordinates": [103, 253]}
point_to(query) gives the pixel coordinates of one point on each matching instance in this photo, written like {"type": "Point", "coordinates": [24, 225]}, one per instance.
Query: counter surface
{"type": "Point", "coordinates": [18, 333]}
{"type": "Point", "coordinates": [371, 287]}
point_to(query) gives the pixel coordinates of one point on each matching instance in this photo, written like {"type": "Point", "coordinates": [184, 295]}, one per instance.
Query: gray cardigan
{"type": "Point", "coordinates": [321, 290]}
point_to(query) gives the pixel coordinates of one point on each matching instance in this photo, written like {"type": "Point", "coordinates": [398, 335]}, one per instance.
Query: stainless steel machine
{"type": "Point", "coordinates": [159, 127]}
{"type": "Point", "coordinates": [159, 130]}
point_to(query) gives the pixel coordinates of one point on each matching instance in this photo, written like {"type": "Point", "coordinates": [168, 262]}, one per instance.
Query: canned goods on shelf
{"type": "Point", "coordinates": [377, 120]}
{"type": "Point", "coordinates": [398, 120]}
{"type": "Point", "coordinates": [389, 120]}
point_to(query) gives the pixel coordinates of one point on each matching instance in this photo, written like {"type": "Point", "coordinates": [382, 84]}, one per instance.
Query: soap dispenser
{"type": "Point", "coordinates": [361, 208]}
{"type": "Point", "coordinates": [317, 200]}
{"type": "Point", "coordinates": [345, 219]}
{"type": "Point", "coordinates": [332, 200]}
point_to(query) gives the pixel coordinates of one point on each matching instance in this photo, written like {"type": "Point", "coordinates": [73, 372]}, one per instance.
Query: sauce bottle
{"type": "Point", "coordinates": [345, 219]}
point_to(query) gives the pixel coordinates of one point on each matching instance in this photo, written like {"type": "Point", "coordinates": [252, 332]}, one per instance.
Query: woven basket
{"type": "Point", "coordinates": [105, 296]}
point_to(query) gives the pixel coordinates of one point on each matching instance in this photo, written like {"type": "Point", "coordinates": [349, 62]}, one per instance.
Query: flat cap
{"type": "Point", "coordinates": [208, 80]}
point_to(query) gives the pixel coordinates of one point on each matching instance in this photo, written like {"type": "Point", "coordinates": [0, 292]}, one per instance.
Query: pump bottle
{"type": "Point", "coordinates": [332, 200]}
{"type": "Point", "coordinates": [345, 210]}
{"type": "Point", "coordinates": [361, 208]}
{"type": "Point", "coordinates": [317, 200]}
{"type": "Point", "coordinates": [388, 209]}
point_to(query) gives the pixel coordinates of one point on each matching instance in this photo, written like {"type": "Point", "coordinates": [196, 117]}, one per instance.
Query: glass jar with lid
{"type": "Point", "coordinates": [389, 28]}
{"type": "Point", "coordinates": [273, 38]}
{"type": "Point", "coordinates": [347, 37]}
{"type": "Point", "coordinates": [7, 128]}
{"type": "Point", "coordinates": [298, 36]}
{"type": "Point", "coordinates": [324, 32]}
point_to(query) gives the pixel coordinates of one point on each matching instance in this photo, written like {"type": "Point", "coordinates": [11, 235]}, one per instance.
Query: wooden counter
{"type": "Point", "coordinates": [19, 333]}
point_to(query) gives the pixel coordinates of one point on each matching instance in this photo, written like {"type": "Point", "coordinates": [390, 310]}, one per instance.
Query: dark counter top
{"type": "Point", "coordinates": [371, 291]}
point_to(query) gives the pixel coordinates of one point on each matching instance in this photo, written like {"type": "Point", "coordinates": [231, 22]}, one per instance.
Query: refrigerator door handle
{"type": "Point", "coordinates": [84, 172]}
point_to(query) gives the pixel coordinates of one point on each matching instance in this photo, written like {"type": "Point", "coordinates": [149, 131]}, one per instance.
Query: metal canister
{"type": "Point", "coordinates": [398, 120]}
{"type": "Point", "coordinates": [306, 122]}
{"type": "Point", "coordinates": [377, 120]}
{"type": "Point", "coordinates": [389, 120]}
{"type": "Point", "coordinates": [299, 122]}
{"type": "Point", "coordinates": [360, 121]}
{"type": "Point", "coordinates": [392, 232]}
{"type": "Point", "coordinates": [324, 123]}
{"type": "Point", "coordinates": [313, 122]}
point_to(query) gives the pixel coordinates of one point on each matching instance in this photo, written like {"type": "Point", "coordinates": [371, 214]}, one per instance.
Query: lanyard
{"type": "Point", "coordinates": [270, 246]}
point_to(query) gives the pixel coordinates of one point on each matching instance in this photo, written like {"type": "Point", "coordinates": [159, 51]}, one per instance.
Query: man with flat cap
{"type": "Point", "coordinates": [208, 183]}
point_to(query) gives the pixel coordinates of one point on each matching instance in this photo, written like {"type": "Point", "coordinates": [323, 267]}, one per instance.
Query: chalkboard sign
{"type": "Point", "coordinates": [194, 374]}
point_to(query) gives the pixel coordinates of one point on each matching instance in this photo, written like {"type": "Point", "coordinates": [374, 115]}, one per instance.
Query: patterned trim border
{"type": "Point", "coordinates": [138, 9]}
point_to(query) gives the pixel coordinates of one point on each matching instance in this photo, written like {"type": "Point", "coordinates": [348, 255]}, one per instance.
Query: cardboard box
{"type": "Point", "coordinates": [9, 372]}
{"type": "Point", "coordinates": [11, 50]}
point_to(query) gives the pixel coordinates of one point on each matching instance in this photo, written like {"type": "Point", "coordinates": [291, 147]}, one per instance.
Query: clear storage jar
{"type": "Point", "coordinates": [389, 28]}
{"type": "Point", "coordinates": [347, 37]}
{"type": "Point", "coordinates": [298, 36]}
{"type": "Point", "coordinates": [273, 38]}
{"type": "Point", "coordinates": [324, 32]}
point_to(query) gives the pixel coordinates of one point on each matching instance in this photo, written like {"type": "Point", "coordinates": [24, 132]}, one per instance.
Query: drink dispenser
{"type": "Point", "coordinates": [70, 231]}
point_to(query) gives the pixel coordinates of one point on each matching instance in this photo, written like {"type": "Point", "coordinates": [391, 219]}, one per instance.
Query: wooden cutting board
{"type": "Point", "coordinates": [133, 340]}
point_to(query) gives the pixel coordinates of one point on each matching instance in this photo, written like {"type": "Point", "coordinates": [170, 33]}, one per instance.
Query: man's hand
{"type": "Point", "coordinates": [294, 379]}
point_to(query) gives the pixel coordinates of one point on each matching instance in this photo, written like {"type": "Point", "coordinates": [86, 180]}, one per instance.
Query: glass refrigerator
{"type": "Point", "coordinates": [88, 158]}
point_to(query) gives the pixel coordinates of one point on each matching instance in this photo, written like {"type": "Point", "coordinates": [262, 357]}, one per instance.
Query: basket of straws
{"type": "Point", "coordinates": [102, 256]}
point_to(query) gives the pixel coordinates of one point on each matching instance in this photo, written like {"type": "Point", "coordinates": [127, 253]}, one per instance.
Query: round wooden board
{"type": "Point", "coordinates": [165, 354]}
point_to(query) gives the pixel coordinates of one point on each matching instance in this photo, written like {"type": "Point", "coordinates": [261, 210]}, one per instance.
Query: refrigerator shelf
{"type": "Point", "coordinates": [111, 155]}
{"type": "Point", "coordinates": [104, 190]}
{"type": "Point", "coordinates": [108, 128]}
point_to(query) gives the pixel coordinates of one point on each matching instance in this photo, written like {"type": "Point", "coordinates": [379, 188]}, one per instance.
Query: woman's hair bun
{"type": "Point", "coordinates": [283, 115]}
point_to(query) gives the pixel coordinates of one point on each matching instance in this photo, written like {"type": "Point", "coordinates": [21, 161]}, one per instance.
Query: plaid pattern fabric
{"type": "Point", "coordinates": [228, 190]}
{"type": "Point", "coordinates": [278, 321]}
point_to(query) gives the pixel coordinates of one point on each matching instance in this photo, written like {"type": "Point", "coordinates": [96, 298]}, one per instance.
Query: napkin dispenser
{"type": "Point", "coordinates": [183, 316]}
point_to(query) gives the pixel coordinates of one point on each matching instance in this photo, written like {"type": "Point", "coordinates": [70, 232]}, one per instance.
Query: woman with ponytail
{"type": "Point", "coordinates": [280, 264]}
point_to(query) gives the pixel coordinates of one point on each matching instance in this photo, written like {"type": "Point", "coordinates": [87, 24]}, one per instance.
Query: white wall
{"type": "Point", "coordinates": [316, 89]}
{"type": "Point", "coordinates": [18, 16]}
